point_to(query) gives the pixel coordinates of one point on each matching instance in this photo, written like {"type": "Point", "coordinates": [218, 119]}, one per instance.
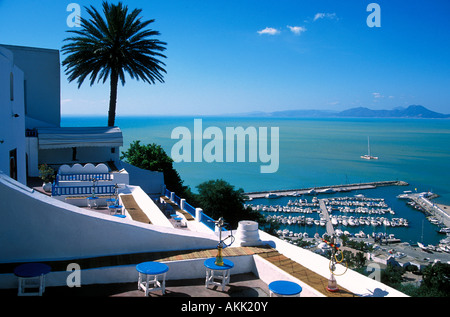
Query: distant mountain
{"type": "Point", "coordinates": [410, 112]}
{"type": "Point", "coordinates": [413, 111]}
{"type": "Point", "coordinates": [302, 113]}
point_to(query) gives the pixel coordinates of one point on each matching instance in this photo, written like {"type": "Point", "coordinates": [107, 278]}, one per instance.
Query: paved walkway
{"type": "Point", "coordinates": [329, 225]}
{"type": "Point", "coordinates": [133, 209]}
{"type": "Point", "coordinates": [176, 208]}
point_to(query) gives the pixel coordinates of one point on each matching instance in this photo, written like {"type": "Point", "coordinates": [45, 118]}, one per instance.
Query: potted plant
{"type": "Point", "coordinates": [47, 174]}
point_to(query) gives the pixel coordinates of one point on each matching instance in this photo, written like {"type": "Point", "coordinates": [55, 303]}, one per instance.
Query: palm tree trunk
{"type": "Point", "coordinates": [113, 98]}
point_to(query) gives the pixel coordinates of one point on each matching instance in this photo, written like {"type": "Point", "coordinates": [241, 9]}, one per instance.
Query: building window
{"type": "Point", "coordinates": [13, 164]}
{"type": "Point", "coordinates": [74, 154]}
{"type": "Point", "coordinates": [11, 86]}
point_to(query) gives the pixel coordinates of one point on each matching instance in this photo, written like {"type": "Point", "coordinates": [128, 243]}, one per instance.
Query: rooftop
{"type": "Point", "coordinates": [110, 270]}
{"type": "Point", "coordinates": [241, 285]}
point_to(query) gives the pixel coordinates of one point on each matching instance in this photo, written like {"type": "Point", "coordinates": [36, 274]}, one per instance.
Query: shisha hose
{"type": "Point", "coordinates": [342, 256]}
{"type": "Point", "coordinates": [332, 267]}
{"type": "Point", "coordinates": [222, 245]}
{"type": "Point", "coordinates": [334, 257]}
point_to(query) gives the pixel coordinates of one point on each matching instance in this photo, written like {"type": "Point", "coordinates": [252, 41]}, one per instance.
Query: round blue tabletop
{"type": "Point", "coordinates": [210, 264]}
{"type": "Point", "coordinates": [285, 287]}
{"type": "Point", "coordinates": [32, 269]}
{"type": "Point", "coordinates": [92, 197]}
{"type": "Point", "coordinates": [152, 268]}
{"type": "Point", "coordinates": [120, 216]}
{"type": "Point", "coordinates": [115, 206]}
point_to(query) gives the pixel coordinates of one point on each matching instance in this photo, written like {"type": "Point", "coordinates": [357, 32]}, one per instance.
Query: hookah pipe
{"type": "Point", "coordinates": [335, 248]}
{"type": "Point", "coordinates": [94, 180]}
{"type": "Point", "coordinates": [332, 284]}
{"type": "Point", "coordinates": [222, 245]}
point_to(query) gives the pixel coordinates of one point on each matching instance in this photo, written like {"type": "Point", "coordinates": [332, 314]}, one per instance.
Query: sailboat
{"type": "Point", "coordinates": [368, 156]}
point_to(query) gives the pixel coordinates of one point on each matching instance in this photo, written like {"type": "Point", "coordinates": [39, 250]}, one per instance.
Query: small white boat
{"type": "Point", "coordinates": [368, 156]}
{"type": "Point", "coordinates": [424, 248]}
{"type": "Point", "coordinates": [334, 221]}
{"type": "Point", "coordinates": [272, 195]}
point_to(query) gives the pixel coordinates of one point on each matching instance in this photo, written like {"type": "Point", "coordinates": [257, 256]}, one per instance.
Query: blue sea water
{"type": "Point", "coordinates": [319, 152]}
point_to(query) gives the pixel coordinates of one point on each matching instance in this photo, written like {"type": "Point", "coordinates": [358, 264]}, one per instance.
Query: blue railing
{"type": "Point", "coordinates": [177, 200]}
{"type": "Point", "coordinates": [84, 177]}
{"type": "Point", "coordinates": [82, 190]}
{"type": "Point", "coordinates": [205, 219]}
{"type": "Point", "coordinates": [208, 221]}
{"type": "Point", "coordinates": [189, 208]}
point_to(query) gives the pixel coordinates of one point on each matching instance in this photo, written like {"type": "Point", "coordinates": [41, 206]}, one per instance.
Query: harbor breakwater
{"type": "Point", "coordinates": [323, 189]}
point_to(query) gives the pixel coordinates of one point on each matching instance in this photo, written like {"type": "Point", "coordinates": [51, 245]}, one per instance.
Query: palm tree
{"type": "Point", "coordinates": [110, 47]}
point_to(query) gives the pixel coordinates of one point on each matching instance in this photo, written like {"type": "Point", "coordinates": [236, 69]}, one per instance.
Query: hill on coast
{"type": "Point", "coordinates": [413, 111]}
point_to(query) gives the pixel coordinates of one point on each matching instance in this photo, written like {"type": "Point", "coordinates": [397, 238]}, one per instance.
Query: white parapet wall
{"type": "Point", "coordinates": [36, 227]}
{"type": "Point", "coordinates": [357, 283]}
{"type": "Point", "coordinates": [147, 206]}
{"type": "Point", "coordinates": [151, 182]}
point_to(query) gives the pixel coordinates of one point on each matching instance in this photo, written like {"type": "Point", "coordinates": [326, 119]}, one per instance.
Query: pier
{"type": "Point", "coordinates": [423, 202]}
{"type": "Point", "coordinates": [324, 189]}
{"type": "Point", "coordinates": [326, 216]}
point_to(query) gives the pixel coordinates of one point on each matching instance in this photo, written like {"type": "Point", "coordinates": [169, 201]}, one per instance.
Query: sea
{"type": "Point", "coordinates": [312, 152]}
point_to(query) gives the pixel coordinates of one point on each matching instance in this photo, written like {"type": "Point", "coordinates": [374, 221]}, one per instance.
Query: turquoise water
{"type": "Point", "coordinates": [318, 152]}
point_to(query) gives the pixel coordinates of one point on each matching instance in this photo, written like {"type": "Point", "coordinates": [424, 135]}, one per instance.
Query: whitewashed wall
{"type": "Point", "coordinates": [37, 227]}
{"type": "Point", "coordinates": [12, 115]}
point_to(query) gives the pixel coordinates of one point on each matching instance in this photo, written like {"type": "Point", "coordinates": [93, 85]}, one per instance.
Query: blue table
{"type": "Point", "coordinates": [31, 275]}
{"type": "Point", "coordinates": [110, 201]}
{"type": "Point", "coordinates": [148, 276]}
{"type": "Point", "coordinates": [284, 288]}
{"type": "Point", "coordinates": [114, 209]}
{"type": "Point", "coordinates": [213, 272]}
{"type": "Point", "coordinates": [178, 221]}
{"type": "Point", "coordinates": [92, 202]}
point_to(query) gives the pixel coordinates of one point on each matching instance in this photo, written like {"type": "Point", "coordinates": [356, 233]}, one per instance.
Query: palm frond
{"type": "Point", "coordinates": [118, 41]}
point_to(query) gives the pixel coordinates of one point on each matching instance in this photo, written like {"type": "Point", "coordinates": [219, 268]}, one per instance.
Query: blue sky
{"type": "Point", "coordinates": [257, 55]}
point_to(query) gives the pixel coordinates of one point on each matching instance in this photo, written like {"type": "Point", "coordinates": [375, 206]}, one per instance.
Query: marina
{"type": "Point", "coordinates": [333, 213]}
{"type": "Point", "coordinates": [363, 219]}
{"type": "Point", "coordinates": [380, 212]}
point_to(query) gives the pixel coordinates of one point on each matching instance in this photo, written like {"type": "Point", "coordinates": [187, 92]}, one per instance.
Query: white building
{"type": "Point", "coordinates": [32, 135]}
{"type": "Point", "coordinates": [12, 114]}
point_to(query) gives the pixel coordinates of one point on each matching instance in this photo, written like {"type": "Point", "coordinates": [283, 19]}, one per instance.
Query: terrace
{"type": "Point", "coordinates": [256, 267]}
{"type": "Point", "coordinates": [183, 249]}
